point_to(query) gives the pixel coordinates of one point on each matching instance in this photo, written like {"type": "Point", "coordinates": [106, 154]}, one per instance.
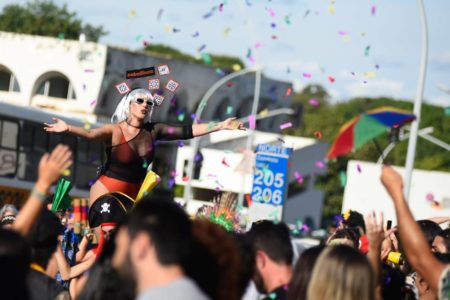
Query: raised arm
{"type": "Point", "coordinates": [102, 134]}
{"type": "Point", "coordinates": [205, 128]}
{"type": "Point", "coordinates": [67, 272]}
{"type": "Point", "coordinates": [414, 243]}
{"type": "Point", "coordinates": [51, 167]}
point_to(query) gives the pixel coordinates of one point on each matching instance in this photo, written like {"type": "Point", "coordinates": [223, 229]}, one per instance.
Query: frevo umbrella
{"type": "Point", "coordinates": [62, 199]}
{"type": "Point", "coordinates": [365, 127]}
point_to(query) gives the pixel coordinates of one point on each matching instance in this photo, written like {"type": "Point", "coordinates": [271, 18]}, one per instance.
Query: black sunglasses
{"type": "Point", "coordinates": [140, 101]}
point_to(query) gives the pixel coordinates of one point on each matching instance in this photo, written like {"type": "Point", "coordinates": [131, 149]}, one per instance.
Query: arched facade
{"type": "Point", "coordinates": [8, 80]}
{"type": "Point", "coordinates": [54, 84]}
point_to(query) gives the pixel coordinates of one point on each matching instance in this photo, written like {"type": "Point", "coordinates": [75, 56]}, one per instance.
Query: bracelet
{"type": "Point", "coordinates": [37, 194]}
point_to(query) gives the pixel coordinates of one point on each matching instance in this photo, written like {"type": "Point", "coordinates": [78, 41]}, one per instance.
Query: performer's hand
{"type": "Point", "coordinates": [392, 181]}
{"type": "Point", "coordinates": [58, 126]}
{"type": "Point", "coordinates": [232, 124]}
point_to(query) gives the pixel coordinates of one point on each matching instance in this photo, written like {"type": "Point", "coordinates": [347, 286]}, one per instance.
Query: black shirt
{"type": "Point", "coordinates": [42, 287]}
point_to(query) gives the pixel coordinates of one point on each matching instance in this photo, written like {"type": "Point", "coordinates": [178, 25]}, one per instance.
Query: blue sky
{"type": "Point", "coordinates": [295, 40]}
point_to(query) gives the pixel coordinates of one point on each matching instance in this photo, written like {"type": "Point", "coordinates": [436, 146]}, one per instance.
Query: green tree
{"type": "Point", "coordinates": [46, 19]}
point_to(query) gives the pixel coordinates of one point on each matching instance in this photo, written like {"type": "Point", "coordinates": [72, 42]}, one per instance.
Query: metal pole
{"type": "Point", "coordinates": [198, 113]}
{"type": "Point", "coordinates": [249, 143]}
{"type": "Point", "coordinates": [417, 102]}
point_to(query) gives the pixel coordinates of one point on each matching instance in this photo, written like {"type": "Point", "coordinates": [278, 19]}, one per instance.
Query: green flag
{"type": "Point", "coordinates": [62, 200]}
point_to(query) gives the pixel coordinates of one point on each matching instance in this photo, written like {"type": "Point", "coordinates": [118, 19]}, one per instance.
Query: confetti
{"type": "Point", "coordinates": [180, 144]}
{"type": "Point", "coordinates": [224, 162]}
{"type": "Point", "coordinates": [373, 10]}
{"type": "Point", "coordinates": [206, 58]}
{"type": "Point", "coordinates": [171, 130]}
{"type": "Point", "coordinates": [286, 125]}
{"type": "Point", "coordinates": [171, 183]}
{"type": "Point", "coordinates": [175, 30]}
{"type": "Point", "coordinates": [258, 45]}
{"type": "Point", "coordinates": [331, 9]}
{"type": "Point", "coordinates": [366, 51]}
{"type": "Point", "coordinates": [342, 178]}
{"type": "Point", "coordinates": [93, 102]}
{"type": "Point", "coordinates": [370, 74]}
{"type": "Point", "coordinates": [226, 31]}
{"type": "Point", "coordinates": [132, 13]}
{"type": "Point", "coordinates": [248, 3]}
{"type": "Point", "coordinates": [252, 121]}
{"type": "Point", "coordinates": [307, 75]}
{"type": "Point", "coordinates": [298, 177]}
{"type": "Point", "coordinates": [430, 197]}
{"type": "Point", "coordinates": [138, 37]}
{"type": "Point", "coordinates": [358, 168]}
{"type": "Point", "coordinates": [318, 135]}
{"type": "Point", "coordinates": [196, 34]}
{"type": "Point", "coordinates": [281, 140]}
{"type": "Point", "coordinates": [230, 84]}
{"type": "Point", "coordinates": [89, 70]}
{"type": "Point", "coordinates": [306, 13]}
{"type": "Point", "coordinates": [273, 25]}
{"type": "Point", "coordinates": [287, 20]}
{"type": "Point", "coordinates": [271, 12]}
{"type": "Point", "coordinates": [331, 79]}
{"type": "Point", "coordinates": [320, 164]}
{"type": "Point", "coordinates": [313, 102]}
{"type": "Point", "coordinates": [185, 178]}
{"type": "Point", "coordinates": [144, 164]}
{"type": "Point", "coordinates": [264, 112]}
{"type": "Point", "coordinates": [229, 109]}
{"type": "Point", "coordinates": [160, 12]}
{"type": "Point", "coordinates": [221, 7]}
{"type": "Point", "coordinates": [66, 172]}
{"type": "Point", "coordinates": [220, 72]}
{"type": "Point", "coordinates": [181, 117]}
{"type": "Point", "coordinates": [288, 92]}
{"type": "Point", "coordinates": [274, 37]}
{"type": "Point", "coordinates": [272, 296]}
{"type": "Point", "coordinates": [201, 48]}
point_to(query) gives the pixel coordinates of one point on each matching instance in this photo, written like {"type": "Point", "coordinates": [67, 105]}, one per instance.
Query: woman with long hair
{"type": "Point", "coordinates": [130, 141]}
{"type": "Point", "coordinates": [342, 273]}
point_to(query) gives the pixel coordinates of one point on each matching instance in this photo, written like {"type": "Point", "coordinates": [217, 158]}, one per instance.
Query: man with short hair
{"type": "Point", "coordinates": [151, 246]}
{"type": "Point", "coordinates": [441, 243]}
{"type": "Point", "coordinates": [273, 258]}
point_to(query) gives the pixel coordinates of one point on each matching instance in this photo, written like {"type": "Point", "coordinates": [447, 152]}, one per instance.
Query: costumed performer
{"type": "Point", "coordinates": [130, 141]}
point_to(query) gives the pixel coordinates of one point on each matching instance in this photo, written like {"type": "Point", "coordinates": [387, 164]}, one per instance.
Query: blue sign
{"type": "Point", "coordinates": [270, 177]}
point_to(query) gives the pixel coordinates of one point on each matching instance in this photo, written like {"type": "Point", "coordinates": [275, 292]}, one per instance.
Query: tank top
{"type": "Point", "coordinates": [128, 161]}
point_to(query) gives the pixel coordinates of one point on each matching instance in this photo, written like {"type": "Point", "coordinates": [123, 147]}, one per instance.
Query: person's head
{"type": "Point", "coordinates": [8, 210]}
{"type": "Point", "coordinates": [430, 229]}
{"type": "Point", "coordinates": [346, 236]}
{"type": "Point", "coordinates": [342, 273]}
{"type": "Point", "coordinates": [156, 234]}
{"type": "Point", "coordinates": [43, 237]}
{"type": "Point", "coordinates": [352, 218]}
{"type": "Point", "coordinates": [441, 242]}
{"type": "Point", "coordinates": [137, 104]}
{"type": "Point", "coordinates": [15, 263]}
{"type": "Point", "coordinates": [302, 273]}
{"type": "Point", "coordinates": [272, 248]}
{"type": "Point", "coordinates": [422, 286]}
{"type": "Point", "coordinates": [214, 262]}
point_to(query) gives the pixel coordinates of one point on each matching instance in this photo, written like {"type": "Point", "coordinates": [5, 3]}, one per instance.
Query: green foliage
{"type": "Point", "coordinates": [328, 119]}
{"type": "Point", "coordinates": [46, 19]}
{"type": "Point", "coordinates": [218, 61]}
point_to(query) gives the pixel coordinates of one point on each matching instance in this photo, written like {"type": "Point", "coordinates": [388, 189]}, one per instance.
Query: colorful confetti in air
{"type": "Point", "coordinates": [286, 125]}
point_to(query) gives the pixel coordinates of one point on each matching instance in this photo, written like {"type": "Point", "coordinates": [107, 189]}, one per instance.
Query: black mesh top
{"type": "Point", "coordinates": [128, 160]}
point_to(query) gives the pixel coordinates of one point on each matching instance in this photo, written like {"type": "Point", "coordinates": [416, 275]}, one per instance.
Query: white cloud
{"type": "Point", "coordinates": [376, 87]}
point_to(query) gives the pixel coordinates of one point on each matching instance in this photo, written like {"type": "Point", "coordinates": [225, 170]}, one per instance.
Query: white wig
{"type": "Point", "coordinates": [123, 108]}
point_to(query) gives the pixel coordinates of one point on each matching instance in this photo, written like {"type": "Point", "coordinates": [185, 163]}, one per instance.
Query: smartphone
{"type": "Point", "coordinates": [389, 224]}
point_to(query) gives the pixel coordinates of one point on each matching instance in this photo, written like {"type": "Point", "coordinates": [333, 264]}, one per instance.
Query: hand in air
{"type": "Point", "coordinates": [53, 164]}
{"type": "Point", "coordinates": [232, 124]}
{"type": "Point", "coordinates": [58, 126]}
{"type": "Point", "coordinates": [392, 181]}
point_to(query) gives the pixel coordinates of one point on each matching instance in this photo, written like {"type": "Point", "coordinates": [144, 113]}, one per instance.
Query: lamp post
{"type": "Point", "coordinates": [198, 113]}
{"type": "Point", "coordinates": [417, 102]}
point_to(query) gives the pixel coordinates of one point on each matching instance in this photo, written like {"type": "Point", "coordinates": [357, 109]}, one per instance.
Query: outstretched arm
{"type": "Point", "coordinates": [414, 243]}
{"type": "Point", "coordinates": [50, 168]}
{"type": "Point", "coordinates": [102, 134]}
{"type": "Point", "coordinates": [205, 128]}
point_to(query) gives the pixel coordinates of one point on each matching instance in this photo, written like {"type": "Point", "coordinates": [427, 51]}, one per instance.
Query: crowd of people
{"type": "Point", "coordinates": [154, 250]}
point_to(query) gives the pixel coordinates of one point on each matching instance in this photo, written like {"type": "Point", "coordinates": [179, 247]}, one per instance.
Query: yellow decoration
{"type": "Point", "coordinates": [150, 181]}
{"type": "Point", "coordinates": [370, 74]}
{"type": "Point", "coordinates": [347, 214]}
{"type": "Point", "coordinates": [236, 67]}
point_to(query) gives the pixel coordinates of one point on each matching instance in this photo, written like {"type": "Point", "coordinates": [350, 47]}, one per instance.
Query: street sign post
{"type": "Point", "coordinates": [269, 182]}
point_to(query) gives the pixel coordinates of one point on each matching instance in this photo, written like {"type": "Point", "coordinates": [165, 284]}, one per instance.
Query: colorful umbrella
{"type": "Point", "coordinates": [366, 127]}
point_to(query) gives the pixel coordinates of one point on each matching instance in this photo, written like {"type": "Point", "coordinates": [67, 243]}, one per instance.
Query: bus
{"type": "Point", "coordinates": [23, 141]}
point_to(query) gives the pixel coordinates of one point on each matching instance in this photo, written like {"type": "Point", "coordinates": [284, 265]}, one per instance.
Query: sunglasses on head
{"type": "Point", "coordinates": [140, 101]}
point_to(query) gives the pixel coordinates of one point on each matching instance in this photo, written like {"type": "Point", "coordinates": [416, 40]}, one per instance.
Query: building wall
{"type": "Point", "coordinates": [33, 59]}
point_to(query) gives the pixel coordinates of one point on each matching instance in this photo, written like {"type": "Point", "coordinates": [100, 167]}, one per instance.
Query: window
{"type": "Point", "coordinates": [56, 85]}
{"type": "Point", "coordinates": [8, 82]}
{"type": "Point", "coordinates": [8, 147]}
{"type": "Point", "coordinates": [88, 157]}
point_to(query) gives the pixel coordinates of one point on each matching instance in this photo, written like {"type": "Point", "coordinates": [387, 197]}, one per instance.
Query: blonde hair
{"type": "Point", "coordinates": [123, 108]}
{"type": "Point", "coordinates": [342, 273]}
